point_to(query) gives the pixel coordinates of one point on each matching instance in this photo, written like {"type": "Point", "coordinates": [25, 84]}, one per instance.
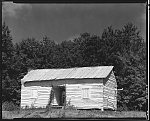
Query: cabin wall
{"type": "Point", "coordinates": [110, 92]}
{"type": "Point", "coordinates": [35, 95]}
{"type": "Point", "coordinates": [82, 93]}
{"type": "Point", "coordinates": [85, 95]}
{"type": "Point", "coordinates": [93, 85]}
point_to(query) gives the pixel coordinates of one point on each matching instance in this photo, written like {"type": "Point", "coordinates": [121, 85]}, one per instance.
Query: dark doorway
{"type": "Point", "coordinates": [60, 94]}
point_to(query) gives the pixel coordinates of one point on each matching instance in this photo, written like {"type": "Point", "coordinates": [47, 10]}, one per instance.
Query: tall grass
{"type": "Point", "coordinates": [9, 106]}
{"type": "Point", "coordinates": [69, 111]}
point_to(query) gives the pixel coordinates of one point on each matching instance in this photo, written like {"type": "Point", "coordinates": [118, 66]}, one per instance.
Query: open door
{"type": "Point", "coordinates": [60, 94]}
{"type": "Point", "coordinates": [63, 96]}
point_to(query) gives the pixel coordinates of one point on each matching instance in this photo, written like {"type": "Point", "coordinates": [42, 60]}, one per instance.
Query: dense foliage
{"type": "Point", "coordinates": [123, 48]}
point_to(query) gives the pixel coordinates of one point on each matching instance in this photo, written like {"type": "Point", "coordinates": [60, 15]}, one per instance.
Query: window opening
{"type": "Point", "coordinates": [85, 92]}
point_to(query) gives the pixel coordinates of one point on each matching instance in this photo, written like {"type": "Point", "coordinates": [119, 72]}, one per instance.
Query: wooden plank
{"type": "Point", "coordinates": [24, 100]}
{"type": "Point", "coordinates": [96, 92]}
{"type": "Point", "coordinates": [96, 96]}
{"type": "Point", "coordinates": [110, 90]}
{"type": "Point", "coordinates": [74, 92]}
{"type": "Point", "coordinates": [97, 88]}
{"type": "Point", "coordinates": [109, 103]}
{"type": "Point", "coordinates": [82, 104]}
{"type": "Point", "coordinates": [110, 84]}
{"type": "Point", "coordinates": [109, 94]}
{"type": "Point", "coordinates": [42, 99]}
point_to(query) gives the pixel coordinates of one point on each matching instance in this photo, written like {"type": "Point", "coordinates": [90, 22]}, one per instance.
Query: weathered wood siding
{"type": "Point", "coordinates": [74, 94]}
{"type": "Point", "coordinates": [110, 92]}
{"type": "Point", "coordinates": [37, 100]}
{"type": "Point", "coordinates": [82, 93]}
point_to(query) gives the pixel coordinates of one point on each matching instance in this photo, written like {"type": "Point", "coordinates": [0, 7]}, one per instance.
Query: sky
{"type": "Point", "coordinates": [62, 22]}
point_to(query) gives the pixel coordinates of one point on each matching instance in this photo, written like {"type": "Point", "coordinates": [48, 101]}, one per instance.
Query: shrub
{"type": "Point", "coordinates": [69, 106]}
{"type": "Point", "coordinates": [9, 106]}
{"type": "Point", "coordinates": [32, 107]}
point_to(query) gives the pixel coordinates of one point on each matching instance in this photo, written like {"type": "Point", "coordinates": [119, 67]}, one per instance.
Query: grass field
{"type": "Point", "coordinates": [70, 113]}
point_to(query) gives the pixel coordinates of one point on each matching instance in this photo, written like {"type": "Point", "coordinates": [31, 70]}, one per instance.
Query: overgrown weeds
{"type": "Point", "coordinates": [9, 106]}
{"type": "Point", "coordinates": [68, 112]}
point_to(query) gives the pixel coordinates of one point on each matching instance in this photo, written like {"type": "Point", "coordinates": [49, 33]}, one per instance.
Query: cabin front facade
{"type": "Point", "coordinates": [84, 88]}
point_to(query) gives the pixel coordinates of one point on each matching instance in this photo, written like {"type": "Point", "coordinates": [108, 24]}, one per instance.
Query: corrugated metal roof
{"type": "Point", "coordinates": [69, 73]}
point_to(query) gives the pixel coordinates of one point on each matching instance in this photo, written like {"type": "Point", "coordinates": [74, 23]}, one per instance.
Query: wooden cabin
{"type": "Point", "coordinates": [83, 87]}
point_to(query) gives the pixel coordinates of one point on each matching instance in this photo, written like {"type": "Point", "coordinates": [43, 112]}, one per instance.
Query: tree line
{"type": "Point", "coordinates": [122, 48]}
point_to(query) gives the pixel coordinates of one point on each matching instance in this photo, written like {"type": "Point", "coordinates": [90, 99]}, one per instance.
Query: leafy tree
{"type": "Point", "coordinates": [67, 53]}
{"type": "Point", "coordinates": [47, 52]}
{"type": "Point", "coordinates": [123, 48]}
{"type": "Point", "coordinates": [7, 54]}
